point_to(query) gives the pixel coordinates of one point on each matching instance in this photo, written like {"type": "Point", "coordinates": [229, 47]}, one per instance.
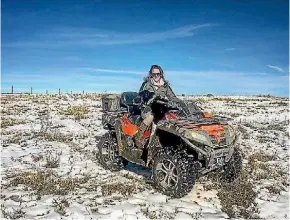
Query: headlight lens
{"type": "Point", "coordinates": [232, 134]}
{"type": "Point", "coordinates": [201, 137]}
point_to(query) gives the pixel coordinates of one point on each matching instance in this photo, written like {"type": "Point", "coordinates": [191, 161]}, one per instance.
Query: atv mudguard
{"type": "Point", "coordinates": [198, 142]}
{"type": "Point", "coordinates": [175, 130]}
{"type": "Point", "coordinates": [183, 133]}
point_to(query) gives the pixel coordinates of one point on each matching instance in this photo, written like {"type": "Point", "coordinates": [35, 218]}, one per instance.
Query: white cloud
{"type": "Point", "coordinates": [72, 58]}
{"type": "Point", "coordinates": [25, 78]}
{"type": "Point", "coordinates": [227, 82]}
{"type": "Point", "coordinates": [276, 68]}
{"type": "Point", "coordinates": [194, 82]}
{"type": "Point", "coordinates": [114, 71]}
{"type": "Point", "coordinates": [94, 37]}
{"type": "Point", "coordinates": [190, 82]}
{"type": "Point", "coordinates": [230, 49]}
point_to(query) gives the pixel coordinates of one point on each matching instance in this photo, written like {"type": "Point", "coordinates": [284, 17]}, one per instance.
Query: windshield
{"type": "Point", "coordinates": [189, 109]}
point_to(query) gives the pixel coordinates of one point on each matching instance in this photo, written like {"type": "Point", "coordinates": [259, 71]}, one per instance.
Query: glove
{"type": "Point", "coordinates": [138, 100]}
{"type": "Point", "coordinates": [164, 98]}
{"type": "Point", "coordinates": [183, 106]}
{"type": "Point", "coordinates": [173, 105]}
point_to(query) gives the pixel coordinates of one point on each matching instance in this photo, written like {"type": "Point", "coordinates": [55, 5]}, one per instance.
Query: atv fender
{"type": "Point", "coordinates": [184, 134]}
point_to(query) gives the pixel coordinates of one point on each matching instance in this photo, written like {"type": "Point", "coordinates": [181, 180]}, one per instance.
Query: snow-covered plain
{"type": "Point", "coordinates": [49, 168]}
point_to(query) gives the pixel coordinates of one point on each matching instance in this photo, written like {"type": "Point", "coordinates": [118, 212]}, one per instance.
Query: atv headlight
{"type": "Point", "coordinates": [201, 137]}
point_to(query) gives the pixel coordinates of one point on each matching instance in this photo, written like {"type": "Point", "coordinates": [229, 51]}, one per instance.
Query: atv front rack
{"type": "Point", "coordinates": [202, 121]}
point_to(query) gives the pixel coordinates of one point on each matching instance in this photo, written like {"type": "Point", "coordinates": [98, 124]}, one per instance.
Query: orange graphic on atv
{"type": "Point", "coordinates": [130, 129]}
{"type": "Point", "coordinates": [170, 115]}
{"type": "Point", "coordinates": [217, 131]}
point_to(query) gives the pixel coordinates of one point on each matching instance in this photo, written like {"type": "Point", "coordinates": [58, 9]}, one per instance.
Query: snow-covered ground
{"type": "Point", "coordinates": [49, 168]}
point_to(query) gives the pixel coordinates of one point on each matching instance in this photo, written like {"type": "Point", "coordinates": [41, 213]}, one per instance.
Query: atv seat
{"type": "Point", "coordinates": [126, 101]}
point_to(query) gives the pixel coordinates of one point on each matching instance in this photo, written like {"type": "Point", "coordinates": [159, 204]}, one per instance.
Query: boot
{"type": "Point", "coordinates": [138, 137]}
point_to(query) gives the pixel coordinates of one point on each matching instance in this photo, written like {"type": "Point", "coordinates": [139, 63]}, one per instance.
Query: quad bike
{"type": "Point", "coordinates": [182, 144]}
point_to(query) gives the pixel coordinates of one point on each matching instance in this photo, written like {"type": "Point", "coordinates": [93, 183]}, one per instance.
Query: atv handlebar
{"type": "Point", "coordinates": [149, 98]}
{"type": "Point", "coordinates": [168, 104]}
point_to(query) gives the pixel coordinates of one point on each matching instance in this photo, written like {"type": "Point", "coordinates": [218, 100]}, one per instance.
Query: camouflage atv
{"type": "Point", "coordinates": [181, 145]}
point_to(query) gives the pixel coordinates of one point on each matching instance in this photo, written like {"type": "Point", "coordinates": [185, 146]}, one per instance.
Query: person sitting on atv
{"type": "Point", "coordinates": [155, 83]}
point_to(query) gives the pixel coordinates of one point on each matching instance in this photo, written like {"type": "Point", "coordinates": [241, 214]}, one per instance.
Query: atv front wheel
{"type": "Point", "coordinates": [233, 168]}
{"type": "Point", "coordinates": [108, 154]}
{"type": "Point", "coordinates": [173, 172]}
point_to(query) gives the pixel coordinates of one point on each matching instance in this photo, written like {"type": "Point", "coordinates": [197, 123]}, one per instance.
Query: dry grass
{"type": "Point", "coordinates": [200, 100]}
{"type": "Point", "coordinates": [60, 204]}
{"type": "Point", "coordinates": [224, 100]}
{"type": "Point", "coordinates": [7, 99]}
{"type": "Point", "coordinates": [259, 168]}
{"type": "Point", "coordinates": [250, 125]}
{"type": "Point", "coordinates": [210, 186]}
{"type": "Point", "coordinates": [277, 127]}
{"type": "Point", "coordinates": [260, 171]}
{"type": "Point", "coordinates": [52, 159]}
{"type": "Point", "coordinates": [242, 129]}
{"type": "Point", "coordinates": [7, 122]}
{"type": "Point", "coordinates": [79, 112]}
{"type": "Point", "coordinates": [36, 158]}
{"type": "Point", "coordinates": [94, 97]}
{"type": "Point", "coordinates": [148, 214]}
{"type": "Point", "coordinates": [274, 189]}
{"type": "Point", "coordinates": [234, 115]}
{"type": "Point", "coordinates": [264, 139]}
{"type": "Point", "coordinates": [122, 188]}
{"type": "Point", "coordinates": [159, 214]}
{"type": "Point", "coordinates": [48, 136]}
{"type": "Point", "coordinates": [279, 103]}
{"type": "Point", "coordinates": [260, 156]}
{"type": "Point", "coordinates": [45, 182]}
{"type": "Point", "coordinates": [15, 214]}
{"type": "Point", "coordinates": [238, 198]}
{"type": "Point", "coordinates": [15, 139]}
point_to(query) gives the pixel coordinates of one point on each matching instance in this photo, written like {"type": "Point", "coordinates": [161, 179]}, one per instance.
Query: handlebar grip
{"type": "Point", "coordinates": [161, 102]}
{"type": "Point", "coordinates": [169, 104]}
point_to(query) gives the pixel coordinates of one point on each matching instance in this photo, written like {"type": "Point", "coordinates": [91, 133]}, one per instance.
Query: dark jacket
{"type": "Point", "coordinates": [164, 90]}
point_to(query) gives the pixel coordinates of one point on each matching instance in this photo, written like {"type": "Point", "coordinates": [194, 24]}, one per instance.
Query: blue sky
{"type": "Point", "coordinates": [219, 47]}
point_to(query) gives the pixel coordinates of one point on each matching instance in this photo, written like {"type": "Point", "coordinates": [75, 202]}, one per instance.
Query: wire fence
{"type": "Point", "coordinates": [18, 90]}
{"type": "Point", "coordinates": [15, 90]}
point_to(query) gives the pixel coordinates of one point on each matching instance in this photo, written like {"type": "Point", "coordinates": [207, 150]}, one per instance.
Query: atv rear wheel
{"type": "Point", "coordinates": [233, 168]}
{"type": "Point", "coordinates": [108, 154]}
{"type": "Point", "coordinates": [173, 172]}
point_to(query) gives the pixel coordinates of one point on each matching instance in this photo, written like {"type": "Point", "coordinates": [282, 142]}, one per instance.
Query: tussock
{"type": "Point", "coordinates": [7, 122]}
{"type": "Point", "coordinates": [121, 188]}
{"type": "Point", "coordinates": [238, 198]}
{"type": "Point", "coordinates": [79, 112]}
{"type": "Point", "coordinates": [49, 136]}
{"type": "Point", "coordinates": [45, 182]}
